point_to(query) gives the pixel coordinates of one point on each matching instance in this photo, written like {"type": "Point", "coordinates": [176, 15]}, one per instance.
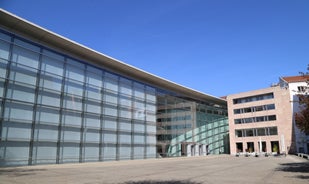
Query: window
{"type": "Point", "coordinates": [259, 108]}
{"type": "Point", "coordinates": [246, 110]}
{"type": "Point", "coordinates": [253, 98]}
{"type": "Point", "coordinates": [236, 111]}
{"type": "Point", "coordinates": [267, 131]}
{"type": "Point", "coordinates": [270, 106]}
{"type": "Point", "coordinates": [272, 118]}
{"type": "Point", "coordinates": [273, 131]}
{"type": "Point", "coordinates": [254, 109]}
{"type": "Point", "coordinates": [238, 133]}
{"type": "Point", "coordinates": [261, 132]}
{"type": "Point", "coordinates": [302, 88]}
{"type": "Point", "coordinates": [255, 119]}
{"type": "Point", "coordinates": [249, 132]}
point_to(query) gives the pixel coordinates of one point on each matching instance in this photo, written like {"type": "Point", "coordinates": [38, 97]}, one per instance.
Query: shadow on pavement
{"type": "Point", "coordinates": [302, 167]}
{"type": "Point", "coordinates": [19, 172]}
{"type": "Point", "coordinates": [162, 182]}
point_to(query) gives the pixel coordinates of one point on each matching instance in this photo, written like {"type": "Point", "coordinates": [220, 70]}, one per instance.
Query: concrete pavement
{"type": "Point", "coordinates": [193, 170]}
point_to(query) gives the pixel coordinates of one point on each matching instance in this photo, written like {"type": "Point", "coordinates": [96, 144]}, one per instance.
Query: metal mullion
{"type": "Point", "coordinates": [30, 159]}
{"type": "Point", "coordinates": [117, 123]}
{"type": "Point", "coordinates": [82, 128]}
{"type": "Point", "coordinates": [61, 112]}
{"type": "Point", "coordinates": [101, 142]}
{"type": "Point", "coordinates": [5, 88]}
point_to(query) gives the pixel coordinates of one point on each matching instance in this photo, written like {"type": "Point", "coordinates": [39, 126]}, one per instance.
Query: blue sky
{"type": "Point", "coordinates": [218, 47]}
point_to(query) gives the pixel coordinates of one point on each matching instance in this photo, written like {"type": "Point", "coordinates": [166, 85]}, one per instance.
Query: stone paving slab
{"type": "Point", "coordinates": [186, 170]}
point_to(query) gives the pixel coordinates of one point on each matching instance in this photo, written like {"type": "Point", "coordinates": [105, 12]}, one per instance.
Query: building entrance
{"type": "Point", "coordinates": [275, 146]}
{"type": "Point", "coordinates": [193, 149]}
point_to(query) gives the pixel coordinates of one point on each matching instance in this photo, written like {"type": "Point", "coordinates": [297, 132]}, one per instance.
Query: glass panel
{"type": "Point", "coordinates": [124, 153]}
{"type": "Point", "coordinates": [151, 129]}
{"type": "Point", "coordinates": [51, 65]}
{"type": "Point", "coordinates": [5, 37]}
{"type": "Point", "coordinates": [3, 66]}
{"type": "Point", "coordinates": [75, 63]}
{"type": "Point", "coordinates": [125, 126]}
{"type": "Point", "coordinates": [151, 117]}
{"type": "Point", "coordinates": [151, 97]}
{"type": "Point", "coordinates": [94, 70]}
{"type": "Point", "coordinates": [16, 131]}
{"type": "Point", "coordinates": [109, 152]}
{"type": "Point", "coordinates": [124, 101]}
{"type": "Point", "coordinates": [23, 76]}
{"type": "Point", "coordinates": [73, 119]}
{"type": "Point", "coordinates": [14, 153]}
{"type": "Point", "coordinates": [46, 133]}
{"type": "Point", "coordinates": [110, 84]}
{"type": "Point", "coordinates": [110, 98]}
{"type": "Point", "coordinates": [44, 153]}
{"type": "Point", "coordinates": [19, 112]}
{"type": "Point", "coordinates": [139, 111]}
{"type": "Point", "coordinates": [110, 124]}
{"type": "Point", "coordinates": [51, 82]}
{"type": "Point", "coordinates": [51, 99]}
{"type": "Point", "coordinates": [74, 88]}
{"type": "Point", "coordinates": [93, 107]}
{"type": "Point", "coordinates": [125, 139]}
{"type": "Point", "coordinates": [125, 113]}
{"type": "Point", "coordinates": [52, 55]}
{"type": "Point", "coordinates": [139, 139]}
{"type": "Point", "coordinates": [139, 93]}
{"type": "Point", "coordinates": [25, 57]}
{"type": "Point", "coordinates": [92, 121]}
{"type": "Point", "coordinates": [94, 79]}
{"type": "Point", "coordinates": [92, 153]}
{"type": "Point", "coordinates": [26, 45]}
{"type": "Point", "coordinates": [110, 111]}
{"type": "Point", "coordinates": [1, 87]}
{"type": "Point", "coordinates": [151, 107]}
{"type": "Point", "coordinates": [139, 128]}
{"type": "Point", "coordinates": [110, 138]}
{"type": "Point", "coordinates": [70, 152]}
{"type": "Point", "coordinates": [93, 92]}
{"type": "Point", "coordinates": [151, 152]}
{"type": "Point", "coordinates": [71, 134]}
{"type": "Point", "coordinates": [91, 136]}
{"type": "Point", "coordinates": [139, 152]}
{"type": "Point", "coordinates": [72, 102]}
{"type": "Point", "coordinates": [4, 50]}
{"type": "Point", "coordinates": [75, 73]}
{"type": "Point", "coordinates": [50, 116]}
{"type": "Point", "coordinates": [151, 139]}
{"type": "Point", "coordinates": [125, 89]}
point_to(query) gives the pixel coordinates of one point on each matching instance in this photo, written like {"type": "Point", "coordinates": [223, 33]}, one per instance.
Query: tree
{"type": "Point", "coordinates": [302, 117]}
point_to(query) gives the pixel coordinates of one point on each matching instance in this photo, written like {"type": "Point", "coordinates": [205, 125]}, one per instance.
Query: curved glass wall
{"type": "Point", "coordinates": [57, 109]}
{"type": "Point", "coordinates": [184, 122]}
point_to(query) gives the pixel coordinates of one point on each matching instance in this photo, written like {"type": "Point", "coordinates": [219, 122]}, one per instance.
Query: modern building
{"type": "Point", "coordinates": [297, 85]}
{"type": "Point", "coordinates": [260, 121]}
{"type": "Point", "coordinates": [63, 102]}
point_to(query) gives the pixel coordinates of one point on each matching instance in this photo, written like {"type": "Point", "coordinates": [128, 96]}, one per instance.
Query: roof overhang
{"type": "Point", "coordinates": [40, 35]}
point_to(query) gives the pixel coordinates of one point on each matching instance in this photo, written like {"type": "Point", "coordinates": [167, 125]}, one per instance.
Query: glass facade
{"type": "Point", "coordinates": [57, 109]}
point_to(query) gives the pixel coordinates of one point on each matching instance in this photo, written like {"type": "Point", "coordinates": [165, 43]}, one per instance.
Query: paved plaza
{"type": "Point", "coordinates": [194, 170]}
